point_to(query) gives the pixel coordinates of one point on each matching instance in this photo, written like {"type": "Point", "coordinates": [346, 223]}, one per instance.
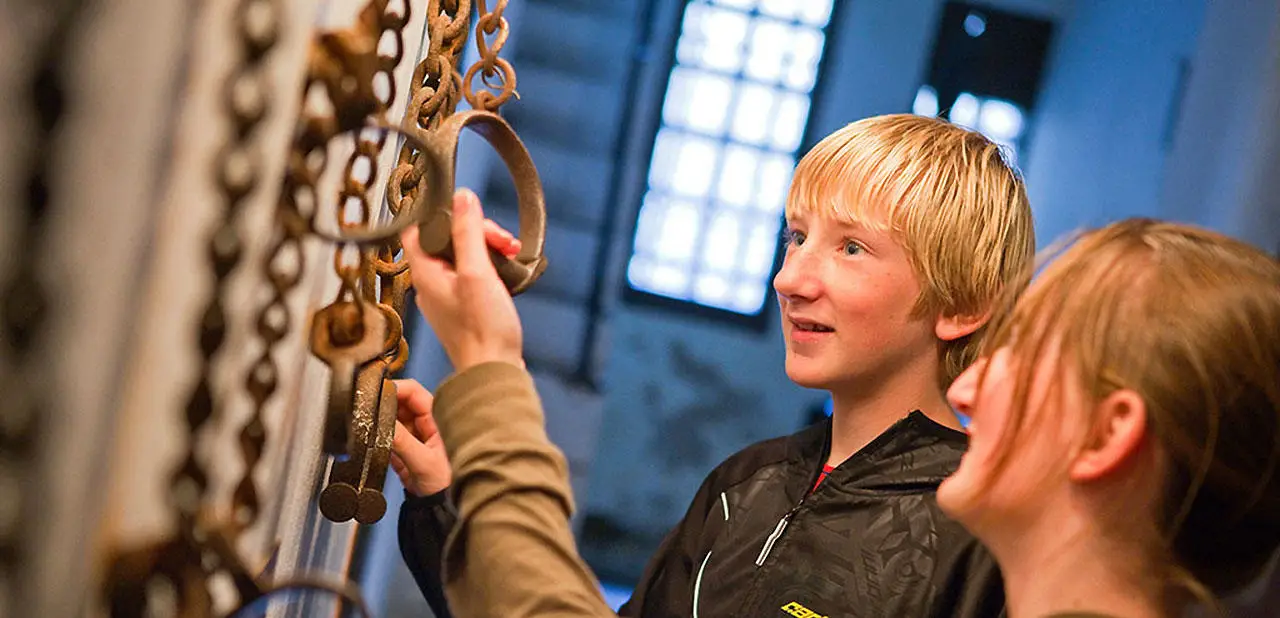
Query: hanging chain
{"type": "Point", "coordinates": [434, 92]}
{"type": "Point", "coordinates": [437, 85]}
{"type": "Point", "coordinates": [24, 318]}
{"type": "Point", "coordinates": [285, 262]}
{"type": "Point", "coordinates": [372, 277]}
{"type": "Point", "coordinates": [490, 67]}
{"type": "Point", "coordinates": [349, 343]}
{"type": "Point", "coordinates": [357, 186]}
{"type": "Point", "coordinates": [246, 96]}
{"type": "Point", "coordinates": [350, 263]}
{"type": "Point", "coordinates": [361, 280]}
{"type": "Point", "coordinates": [282, 264]}
{"type": "Point", "coordinates": [201, 546]}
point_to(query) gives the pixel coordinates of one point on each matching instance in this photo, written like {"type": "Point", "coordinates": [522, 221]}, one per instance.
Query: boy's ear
{"type": "Point", "coordinates": [952, 327]}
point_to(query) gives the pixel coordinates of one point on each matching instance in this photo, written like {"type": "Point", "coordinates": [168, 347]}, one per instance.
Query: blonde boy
{"type": "Point", "coordinates": [903, 233]}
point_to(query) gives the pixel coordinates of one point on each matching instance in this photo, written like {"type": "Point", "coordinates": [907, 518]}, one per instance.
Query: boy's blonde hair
{"type": "Point", "coordinates": [949, 197]}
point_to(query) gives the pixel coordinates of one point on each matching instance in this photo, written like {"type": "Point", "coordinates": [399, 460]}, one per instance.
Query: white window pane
{"type": "Point", "coordinates": [737, 175]}
{"type": "Point", "coordinates": [770, 45]}
{"type": "Point", "coordinates": [712, 37]}
{"type": "Point", "coordinates": [666, 148]}
{"type": "Point", "coordinates": [698, 100]}
{"type": "Point", "coordinates": [774, 183]}
{"type": "Point", "coordinates": [965, 110]}
{"type": "Point", "coordinates": [679, 232]}
{"type": "Point", "coordinates": [639, 272]}
{"type": "Point", "coordinates": [683, 163]}
{"type": "Point", "coordinates": [762, 245]}
{"type": "Point", "coordinates": [653, 210]}
{"type": "Point", "coordinates": [711, 290]}
{"type": "Point", "coordinates": [737, 4]}
{"type": "Point", "coordinates": [782, 9]}
{"type": "Point", "coordinates": [806, 49]}
{"type": "Point", "coordinates": [751, 119]}
{"type": "Point", "coordinates": [814, 12]}
{"type": "Point", "coordinates": [926, 103]}
{"type": "Point", "coordinates": [653, 276]}
{"type": "Point", "coordinates": [750, 296]}
{"type": "Point", "coordinates": [1000, 120]}
{"type": "Point", "coordinates": [789, 120]}
{"type": "Point", "coordinates": [720, 247]}
{"type": "Point", "coordinates": [669, 280]}
{"type": "Point", "coordinates": [694, 165]}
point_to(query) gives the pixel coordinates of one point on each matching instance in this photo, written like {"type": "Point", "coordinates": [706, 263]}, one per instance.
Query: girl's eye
{"type": "Point", "coordinates": [793, 237]}
{"type": "Point", "coordinates": [852, 248]}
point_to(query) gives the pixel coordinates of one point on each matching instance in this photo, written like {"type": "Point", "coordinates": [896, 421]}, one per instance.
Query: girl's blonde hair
{"type": "Point", "coordinates": [1190, 320]}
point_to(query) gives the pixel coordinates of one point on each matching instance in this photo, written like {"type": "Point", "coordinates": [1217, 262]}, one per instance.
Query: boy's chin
{"type": "Point", "coordinates": [809, 377]}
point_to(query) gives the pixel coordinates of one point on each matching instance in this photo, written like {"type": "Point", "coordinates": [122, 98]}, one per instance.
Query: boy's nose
{"type": "Point", "coordinates": [795, 281]}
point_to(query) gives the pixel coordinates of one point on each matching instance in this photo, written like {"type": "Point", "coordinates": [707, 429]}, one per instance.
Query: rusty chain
{"type": "Point", "coordinates": [361, 271]}
{"type": "Point", "coordinates": [361, 169]}
{"type": "Point", "coordinates": [24, 316]}
{"type": "Point", "coordinates": [282, 266]}
{"type": "Point", "coordinates": [200, 547]}
{"type": "Point", "coordinates": [490, 66]}
{"type": "Point", "coordinates": [246, 97]}
{"type": "Point", "coordinates": [375, 276]}
{"type": "Point", "coordinates": [434, 91]}
{"type": "Point", "coordinates": [358, 82]}
{"type": "Point", "coordinates": [378, 276]}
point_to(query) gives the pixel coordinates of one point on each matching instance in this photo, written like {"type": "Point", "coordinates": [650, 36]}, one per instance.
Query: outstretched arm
{"type": "Point", "coordinates": [418, 458]}
{"type": "Point", "coordinates": [511, 552]}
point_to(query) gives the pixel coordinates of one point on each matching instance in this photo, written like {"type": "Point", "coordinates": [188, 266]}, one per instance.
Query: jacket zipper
{"type": "Point", "coordinates": [777, 533]}
{"type": "Point", "coordinates": [782, 525]}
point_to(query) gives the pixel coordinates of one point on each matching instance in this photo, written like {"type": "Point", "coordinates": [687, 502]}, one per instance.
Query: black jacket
{"type": "Point", "coordinates": [869, 542]}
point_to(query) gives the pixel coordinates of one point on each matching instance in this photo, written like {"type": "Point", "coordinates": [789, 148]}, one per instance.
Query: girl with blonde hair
{"type": "Point", "coordinates": [1126, 426]}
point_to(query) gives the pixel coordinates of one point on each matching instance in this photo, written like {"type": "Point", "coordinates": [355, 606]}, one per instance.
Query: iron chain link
{"type": "Point", "coordinates": [25, 303]}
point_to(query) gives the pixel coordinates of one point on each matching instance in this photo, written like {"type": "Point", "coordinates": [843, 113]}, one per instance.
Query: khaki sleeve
{"type": "Point", "coordinates": [511, 554]}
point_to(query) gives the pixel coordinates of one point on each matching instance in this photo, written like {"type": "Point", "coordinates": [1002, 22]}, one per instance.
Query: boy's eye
{"type": "Point", "coordinates": [793, 237]}
{"type": "Point", "coordinates": [852, 248]}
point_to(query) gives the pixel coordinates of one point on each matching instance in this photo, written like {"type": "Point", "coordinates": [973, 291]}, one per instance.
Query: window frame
{"type": "Point", "coordinates": [653, 124]}
{"type": "Point", "coordinates": [1018, 145]}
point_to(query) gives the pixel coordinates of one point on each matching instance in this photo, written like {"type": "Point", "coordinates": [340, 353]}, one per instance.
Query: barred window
{"type": "Point", "coordinates": [733, 117]}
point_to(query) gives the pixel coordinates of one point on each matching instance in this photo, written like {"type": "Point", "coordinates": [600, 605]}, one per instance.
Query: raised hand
{"type": "Point", "coordinates": [466, 303]}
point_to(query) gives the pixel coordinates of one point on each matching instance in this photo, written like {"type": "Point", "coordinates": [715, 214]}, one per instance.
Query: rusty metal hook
{"type": "Point", "coordinates": [345, 337]}
{"type": "Point", "coordinates": [432, 208]}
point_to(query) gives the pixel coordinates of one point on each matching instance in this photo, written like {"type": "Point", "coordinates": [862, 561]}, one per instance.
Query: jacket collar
{"type": "Point", "coordinates": [913, 451]}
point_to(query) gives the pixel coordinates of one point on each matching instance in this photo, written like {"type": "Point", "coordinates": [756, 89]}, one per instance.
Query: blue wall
{"type": "Point", "coordinates": [1099, 142]}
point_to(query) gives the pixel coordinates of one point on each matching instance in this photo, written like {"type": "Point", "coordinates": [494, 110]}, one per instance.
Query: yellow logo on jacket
{"type": "Point", "coordinates": [794, 608]}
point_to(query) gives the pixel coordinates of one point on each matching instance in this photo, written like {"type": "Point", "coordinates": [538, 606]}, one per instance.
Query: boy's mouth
{"type": "Point", "coordinates": [810, 326]}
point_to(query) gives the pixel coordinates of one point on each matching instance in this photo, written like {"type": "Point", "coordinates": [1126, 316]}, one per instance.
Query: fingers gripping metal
{"type": "Point", "coordinates": [432, 210]}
